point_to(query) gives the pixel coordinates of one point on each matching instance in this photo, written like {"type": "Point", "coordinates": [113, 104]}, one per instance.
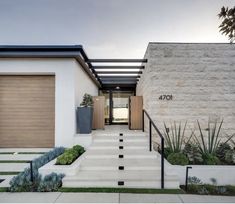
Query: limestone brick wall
{"type": "Point", "coordinates": [201, 79]}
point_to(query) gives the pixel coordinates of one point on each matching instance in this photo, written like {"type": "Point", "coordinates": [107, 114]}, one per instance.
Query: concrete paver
{"type": "Point", "coordinates": [149, 198]}
{"type": "Point", "coordinates": [29, 197]}
{"type": "Point", "coordinates": [7, 179]}
{"type": "Point", "coordinates": [18, 157]}
{"type": "Point", "coordinates": [25, 149]}
{"type": "Point", "coordinates": [13, 167]}
{"type": "Point", "coordinates": [207, 199]}
{"type": "Point", "coordinates": [57, 197]}
{"type": "Point", "coordinates": [88, 198]}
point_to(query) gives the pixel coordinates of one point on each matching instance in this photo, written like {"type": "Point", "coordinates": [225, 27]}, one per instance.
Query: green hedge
{"type": "Point", "coordinates": [70, 155]}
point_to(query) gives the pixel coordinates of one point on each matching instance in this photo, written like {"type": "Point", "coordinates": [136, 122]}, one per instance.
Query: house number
{"type": "Point", "coordinates": [166, 97]}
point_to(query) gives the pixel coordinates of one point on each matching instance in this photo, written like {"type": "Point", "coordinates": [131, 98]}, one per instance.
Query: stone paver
{"type": "Point", "coordinates": [88, 198]}
{"type": "Point", "coordinates": [29, 197]}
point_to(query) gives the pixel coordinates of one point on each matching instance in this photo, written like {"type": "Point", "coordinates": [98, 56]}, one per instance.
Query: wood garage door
{"type": "Point", "coordinates": [27, 111]}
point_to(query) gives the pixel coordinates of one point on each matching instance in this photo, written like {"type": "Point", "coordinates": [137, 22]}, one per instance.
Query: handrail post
{"type": "Point", "coordinates": [143, 120]}
{"type": "Point", "coordinates": [31, 171]}
{"type": "Point", "coordinates": [162, 163]}
{"type": "Point", "coordinates": [150, 135]}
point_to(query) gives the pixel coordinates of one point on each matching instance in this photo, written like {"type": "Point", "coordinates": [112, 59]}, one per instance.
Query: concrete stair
{"type": "Point", "coordinates": [135, 168]}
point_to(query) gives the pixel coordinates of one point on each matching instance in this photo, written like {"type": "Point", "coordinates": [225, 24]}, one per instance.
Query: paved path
{"type": "Point", "coordinates": [58, 197]}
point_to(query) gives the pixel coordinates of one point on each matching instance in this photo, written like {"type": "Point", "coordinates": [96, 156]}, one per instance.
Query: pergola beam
{"type": "Point", "coordinates": [117, 60]}
{"type": "Point", "coordinates": [118, 67]}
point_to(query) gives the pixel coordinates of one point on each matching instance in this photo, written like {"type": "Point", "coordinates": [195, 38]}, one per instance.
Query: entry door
{"type": "Point", "coordinates": [98, 112]}
{"type": "Point", "coordinates": [136, 113]}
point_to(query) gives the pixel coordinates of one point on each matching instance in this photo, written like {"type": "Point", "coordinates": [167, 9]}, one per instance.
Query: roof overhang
{"type": "Point", "coordinates": [103, 76]}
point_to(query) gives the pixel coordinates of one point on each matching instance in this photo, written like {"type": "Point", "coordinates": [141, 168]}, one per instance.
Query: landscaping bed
{"type": "Point", "coordinates": [23, 181]}
{"type": "Point", "coordinates": [66, 164]}
{"type": "Point", "coordinates": [210, 154]}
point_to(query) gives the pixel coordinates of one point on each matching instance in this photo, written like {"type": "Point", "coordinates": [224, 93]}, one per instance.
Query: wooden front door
{"type": "Point", "coordinates": [98, 112]}
{"type": "Point", "coordinates": [136, 113]}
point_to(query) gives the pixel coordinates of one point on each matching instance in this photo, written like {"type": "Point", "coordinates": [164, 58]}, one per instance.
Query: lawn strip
{"type": "Point", "coordinates": [14, 161]}
{"type": "Point", "coordinates": [9, 172]}
{"type": "Point", "coordinates": [123, 190]}
{"type": "Point", "coordinates": [3, 189]}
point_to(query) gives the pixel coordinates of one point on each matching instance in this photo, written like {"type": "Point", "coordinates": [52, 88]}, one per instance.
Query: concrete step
{"type": "Point", "coordinates": [124, 143]}
{"type": "Point", "coordinates": [117, 134]}
{"type": "Point", "coordinates": [116, 137]}
{"type": "Point", "coordinates": [115, 175]}
{"type": "Point", "coordinates": [113, 164]}
{"type": "Point", "coordinates": [135, 179]}
{"type": "Point", "coordinates": [113, 153]}
{"type": "Point", "coordinates": [110, 140]}
{"type": "Point", "coordinates": [155, 184]}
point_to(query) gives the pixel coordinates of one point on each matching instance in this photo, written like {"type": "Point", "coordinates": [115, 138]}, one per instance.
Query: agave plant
{"type": "Point", "coordinates": [213, 137]}
{"type": "Point", "coordinates": [175, 137]}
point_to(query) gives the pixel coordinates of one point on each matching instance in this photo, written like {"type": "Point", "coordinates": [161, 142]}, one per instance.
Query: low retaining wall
{"type": "Point", "coordinates": [224, 174]}
{"type": "Point", "coordinates": [68, 170]}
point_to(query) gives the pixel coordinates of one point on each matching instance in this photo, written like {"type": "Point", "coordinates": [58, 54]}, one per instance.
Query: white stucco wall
{"type": "Point", "coordinates": [70, 81]}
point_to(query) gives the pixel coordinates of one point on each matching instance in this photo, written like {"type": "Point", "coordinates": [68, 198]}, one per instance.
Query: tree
{"type": "Point", "coordinates": [227, 27]}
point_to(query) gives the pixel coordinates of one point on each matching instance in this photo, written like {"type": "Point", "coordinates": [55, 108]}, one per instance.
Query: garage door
{"type": "Point", "coordinates": [27, 111]}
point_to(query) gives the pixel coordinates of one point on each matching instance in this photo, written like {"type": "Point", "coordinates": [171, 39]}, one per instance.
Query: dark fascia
{"type": "Point", "coordinates": [48, 51]}
{"type": "Point", "coordinates": [40, 50]}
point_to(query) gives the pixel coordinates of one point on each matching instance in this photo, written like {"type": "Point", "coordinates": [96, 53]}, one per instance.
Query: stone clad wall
{"type": "Point", "coordinates": [200, 77]}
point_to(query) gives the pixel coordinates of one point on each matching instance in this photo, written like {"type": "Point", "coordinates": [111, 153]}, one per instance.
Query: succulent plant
{"type": "Point", "coordinates": [230, 156]}
{"type": "Point", "coordinates": [221, 151]}
{"type": "Point", "coordinates": [22, 182]}
{"type": "Point", "coordinates": [193, 153]}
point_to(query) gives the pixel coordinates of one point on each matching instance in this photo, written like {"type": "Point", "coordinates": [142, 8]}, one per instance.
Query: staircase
{"type": "Point", "coordinates": [120, 159]}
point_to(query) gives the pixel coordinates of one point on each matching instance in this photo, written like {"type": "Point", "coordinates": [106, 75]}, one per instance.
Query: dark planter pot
{"type": "Point", "coordinates": [84, 120]}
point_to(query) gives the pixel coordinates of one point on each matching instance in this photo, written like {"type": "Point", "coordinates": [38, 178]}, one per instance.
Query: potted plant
{"type": "Point", "coordinates": [85, 115]}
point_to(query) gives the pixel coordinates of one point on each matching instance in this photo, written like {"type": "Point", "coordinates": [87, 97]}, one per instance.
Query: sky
{"type": "Point", "coordinates": [110, 28]}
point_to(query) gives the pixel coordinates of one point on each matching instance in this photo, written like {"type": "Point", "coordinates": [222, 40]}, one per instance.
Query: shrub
{"type": "Point", "coordinates": [178, 159]}
{"type": "Point", "coordinates": [175, 137]}
{"type": "Point", "coordinates": [210, 159]}
{"type": "Point", "coordinates": [230, 156]}
{"type": "Point", "coordinates": [79, 149]}
{"type": "Point", "coordinates": [50, 182]}
{"type": "Point", "coordinates": [167, 151]}
{"type": "Point", "coordinates": [193, 153]}
{"type": "Point", "coordinates": [22, 182]}
{"type": "Point", "coordinates": [87, 100]}
{"type": "Point", "coordinates": [221, 151]}
{"type": "Point", "coordinates": [70, 155]}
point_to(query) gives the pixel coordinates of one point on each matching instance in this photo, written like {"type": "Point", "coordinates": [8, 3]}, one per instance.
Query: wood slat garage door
{"type": "Point", "coordinates": [27, 111]}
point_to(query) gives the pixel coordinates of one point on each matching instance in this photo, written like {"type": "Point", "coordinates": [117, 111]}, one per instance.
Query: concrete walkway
{"type": "Point", "coordinates": [57, 197]}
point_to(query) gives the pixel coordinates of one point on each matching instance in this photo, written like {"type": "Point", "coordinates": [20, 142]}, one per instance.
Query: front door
{"type": "Point", "coordinates": [116, 106]}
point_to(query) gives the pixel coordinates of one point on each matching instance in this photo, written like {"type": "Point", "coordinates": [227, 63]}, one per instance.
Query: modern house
{"type": "Point", "coordinates": [41, 86]}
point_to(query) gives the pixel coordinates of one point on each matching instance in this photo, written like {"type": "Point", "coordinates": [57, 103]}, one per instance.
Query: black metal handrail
{"type": "Point", "coordinates": [151, 123]}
